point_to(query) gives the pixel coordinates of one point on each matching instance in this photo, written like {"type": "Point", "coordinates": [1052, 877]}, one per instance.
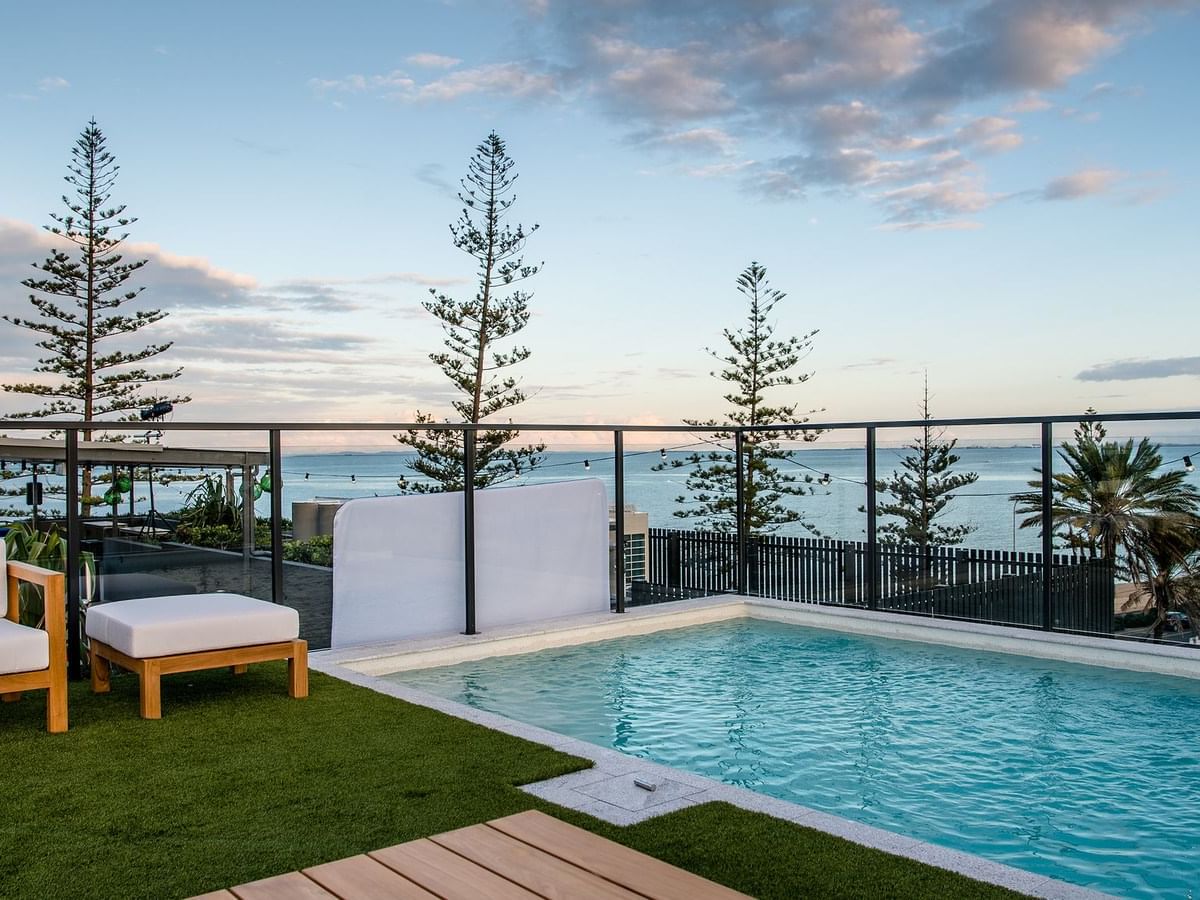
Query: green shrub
{"type": "Point", "coordinates": [219, 537]}
{"type": "Point", "coordinates": [316, 550]}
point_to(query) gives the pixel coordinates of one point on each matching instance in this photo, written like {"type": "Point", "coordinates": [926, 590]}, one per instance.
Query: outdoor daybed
{"type": "Point", "coordinates": [158, 636]}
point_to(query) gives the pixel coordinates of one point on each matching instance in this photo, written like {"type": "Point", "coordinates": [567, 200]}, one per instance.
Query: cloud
{"type": "Point", "coordinates": [1137, 369]}
{"type": "Point", "coordinates": [853, 96]}
{"type": "Point", "coordinates": [990, 134]}
{"type": "Point", "coordinates": [1031, 101]}
{"type": "Point", "coordinates": [1024, 45]}
{"type": "Point", "coordinates": [662, 84]}
{"type": "Point", "coordinates": [831, 123]}
{"type": "Point", "coordinates": [717, 170]}
{"type": "Point", "coordinates": [432, 61]}
{"type": "Point", "coordinates": [1103, 89]}
{"type": "Point", "coordinates": [509, 79]}
{"type": "Point", "coordinates": [53, 83]}
{"type": "Point", "coordinates": [240, 339]}
{"type": "Point", "coordinates": [861, 97]}
{"type": "Point", "coordinates": [873, 363]}
{"type": "Point", "coordinates": [700, 141]}
{"type": "Point", "coordinates": [1084, 183]}
{"type": "Point", "coordinates": [937, 204]}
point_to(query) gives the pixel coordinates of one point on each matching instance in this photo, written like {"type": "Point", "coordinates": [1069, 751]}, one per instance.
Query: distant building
{"type": "Point", "coordinates": [637, 543]}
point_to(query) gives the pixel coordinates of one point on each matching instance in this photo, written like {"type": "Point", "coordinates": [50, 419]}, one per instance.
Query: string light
{"type": "Point", "coordinates": [1187, 464]}
{"type": "Point", "coordinates": [825, 479]}
{"type": "Point", "coordinates": [662, 454]}
{"type": "Point", "coordinates": [587, 464]}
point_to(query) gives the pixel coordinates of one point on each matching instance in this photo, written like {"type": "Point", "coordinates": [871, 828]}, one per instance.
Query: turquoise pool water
{"type": "Point", "coordinates": [1085, 774]}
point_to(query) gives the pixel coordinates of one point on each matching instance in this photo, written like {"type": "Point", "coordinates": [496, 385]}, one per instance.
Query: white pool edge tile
{"type": "Point", "coordinates": [442, 650]}
{"type": "Point", "coordinates": [608, 762]}
{"type": "Point", "coordinates": [1112, 653]}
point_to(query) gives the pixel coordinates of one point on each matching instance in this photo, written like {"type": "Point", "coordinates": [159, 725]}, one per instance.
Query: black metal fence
{"type": "Point", "coordinates": [865, 574]}
{"type": "Point", "coordinates": [949, 582]}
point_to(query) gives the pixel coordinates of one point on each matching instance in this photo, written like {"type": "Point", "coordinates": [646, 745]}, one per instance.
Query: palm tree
{"type": "Point", "coordinates": [1111, 497]}
{"type": "Point", "coordinates": [1169, 552]}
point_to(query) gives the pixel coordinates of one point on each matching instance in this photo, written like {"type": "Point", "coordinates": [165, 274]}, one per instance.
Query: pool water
{"type": "Point", "coordinates": [1084, 774]}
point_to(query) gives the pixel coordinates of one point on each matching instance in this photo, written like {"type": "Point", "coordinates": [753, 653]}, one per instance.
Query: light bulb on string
{"type": "Point", "coordinates": [587, 464]}
{"type": "Point", "coordinates": [1187, 464]}
{"type": "Point", "coordinates": [662, 454]}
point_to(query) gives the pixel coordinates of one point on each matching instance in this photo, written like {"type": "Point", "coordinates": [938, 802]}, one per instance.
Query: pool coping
{"type": "Point", "coordinates": [388, 657]}
{"type": "Point", "coordinates": [611, 768]}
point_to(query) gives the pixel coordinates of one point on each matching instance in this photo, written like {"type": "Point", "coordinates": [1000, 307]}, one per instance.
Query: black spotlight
{"type": "Point", "coordinates": [160, 409]}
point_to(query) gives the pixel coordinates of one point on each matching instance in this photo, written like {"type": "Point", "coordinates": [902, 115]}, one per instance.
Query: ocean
{"type": "Point", "coordinates": [832, 509]}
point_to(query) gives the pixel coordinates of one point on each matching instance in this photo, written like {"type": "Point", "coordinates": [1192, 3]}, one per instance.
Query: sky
{"type": "Point", "coordinates": [1000, 193]}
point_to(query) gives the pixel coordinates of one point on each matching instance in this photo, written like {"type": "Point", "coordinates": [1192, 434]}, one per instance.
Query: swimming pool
{"type": "Point", "coordinates": [1084, 774]}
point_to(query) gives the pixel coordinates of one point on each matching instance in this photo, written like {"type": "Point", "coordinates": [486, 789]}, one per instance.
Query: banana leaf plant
{"type": "Point", "coordinates": [47, 549]}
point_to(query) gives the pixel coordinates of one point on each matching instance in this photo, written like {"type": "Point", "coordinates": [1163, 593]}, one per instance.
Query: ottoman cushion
{"type": "Point", "coordinates": [22, 649]}
{"type": "Point", "coordinates": [189, 623]}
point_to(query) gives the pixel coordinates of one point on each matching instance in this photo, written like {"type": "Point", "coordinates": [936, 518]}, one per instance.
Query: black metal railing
{"type": "Point", "coordinates": [730, 559]}
{"type": "Point", "coordinates": [947, 582]}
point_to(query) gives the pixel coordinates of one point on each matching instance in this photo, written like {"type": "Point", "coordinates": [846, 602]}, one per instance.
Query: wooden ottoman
{"type": "Point", "coordinates": [158, 636]}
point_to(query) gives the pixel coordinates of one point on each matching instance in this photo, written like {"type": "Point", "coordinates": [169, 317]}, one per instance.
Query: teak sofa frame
{"type": "Point", "coordinates": [150, 669]}
{"type": "Point", "coordinates": [54, 678]}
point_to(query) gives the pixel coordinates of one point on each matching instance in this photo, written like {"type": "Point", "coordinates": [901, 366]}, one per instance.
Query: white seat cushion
{"type": "Point", "coordinates": [188, 623]}
{"type": "Point", "coordinates": [22, 649]}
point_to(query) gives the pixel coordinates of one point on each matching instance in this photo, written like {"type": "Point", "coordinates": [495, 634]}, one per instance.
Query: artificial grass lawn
{"type": "Point", "coordinates": [238, 782]}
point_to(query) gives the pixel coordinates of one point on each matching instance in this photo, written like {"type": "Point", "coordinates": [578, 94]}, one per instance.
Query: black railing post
{"type": "Point", "coordinates": [74, 663]}
{"type": "Point", "coordinates": [276, 516]}
{"type": "Point", "coordinates": [619, 522]}
{"type": "Point", "coordinates": [872, 524]}
{"type": "Point", "coordinates": [469, 527]}
{"type": "Point", "coordinates": [1047, 526]}
{"type": "Point", "coordinates": [739, 456]}
{"type": "Point", "coordinates": [674, 561]}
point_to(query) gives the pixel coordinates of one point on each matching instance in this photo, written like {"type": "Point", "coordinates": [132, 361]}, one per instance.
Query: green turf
{"type": "Point", "coordinates": [238, 782]}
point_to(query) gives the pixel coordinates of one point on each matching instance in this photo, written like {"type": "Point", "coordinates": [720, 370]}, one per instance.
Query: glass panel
{"type": "Point", "coordinates": [951, 540]}
{"type": "Point", "coordinates": [1127, 497]}
{"type": "Point", "coordinates": [684, 485]}
{"type": "Point", "coordinates": [813, 551]}
{"type": "Point", "coordinates": [171, 514]}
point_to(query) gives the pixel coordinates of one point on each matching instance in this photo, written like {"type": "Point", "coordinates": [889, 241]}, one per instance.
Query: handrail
{"type": "Point", "coordinates": [681, 428]}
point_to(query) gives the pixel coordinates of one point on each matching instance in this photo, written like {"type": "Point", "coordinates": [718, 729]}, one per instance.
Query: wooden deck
{"type": "Point", "coordinates": [525, 856]}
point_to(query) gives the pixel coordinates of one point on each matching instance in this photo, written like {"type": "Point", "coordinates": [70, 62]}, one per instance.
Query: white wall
{"type": "Point", "coordinates": [540, 552]}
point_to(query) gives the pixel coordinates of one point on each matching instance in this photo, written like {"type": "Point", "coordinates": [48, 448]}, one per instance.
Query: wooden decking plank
{"type": "Point", "coordinates": [528, 866]}
{"type": "Point", "coordinates": [361, 876]}
{"type": "Point", "coordinates": [445, 873]}
{"type": "Point", "coordinates": [292, 886]}
{"type": "Point", "coordinates": [617, 863]}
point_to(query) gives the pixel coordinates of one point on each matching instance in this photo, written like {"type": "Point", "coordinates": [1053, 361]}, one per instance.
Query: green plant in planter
{"type": "Point", "coordinates": [207, 505]}
{"type": "Point", "coordinates": [47, 549]}
{"type": "Point", "coordinates": [317, 550]}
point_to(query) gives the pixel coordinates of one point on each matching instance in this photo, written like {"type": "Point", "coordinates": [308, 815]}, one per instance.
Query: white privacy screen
{"type": "Point", "coordinates": [540, 552]}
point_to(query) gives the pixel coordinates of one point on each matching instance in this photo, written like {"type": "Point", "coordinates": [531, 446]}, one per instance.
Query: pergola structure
{"type": "Point", "coordinates": [119, 455]}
